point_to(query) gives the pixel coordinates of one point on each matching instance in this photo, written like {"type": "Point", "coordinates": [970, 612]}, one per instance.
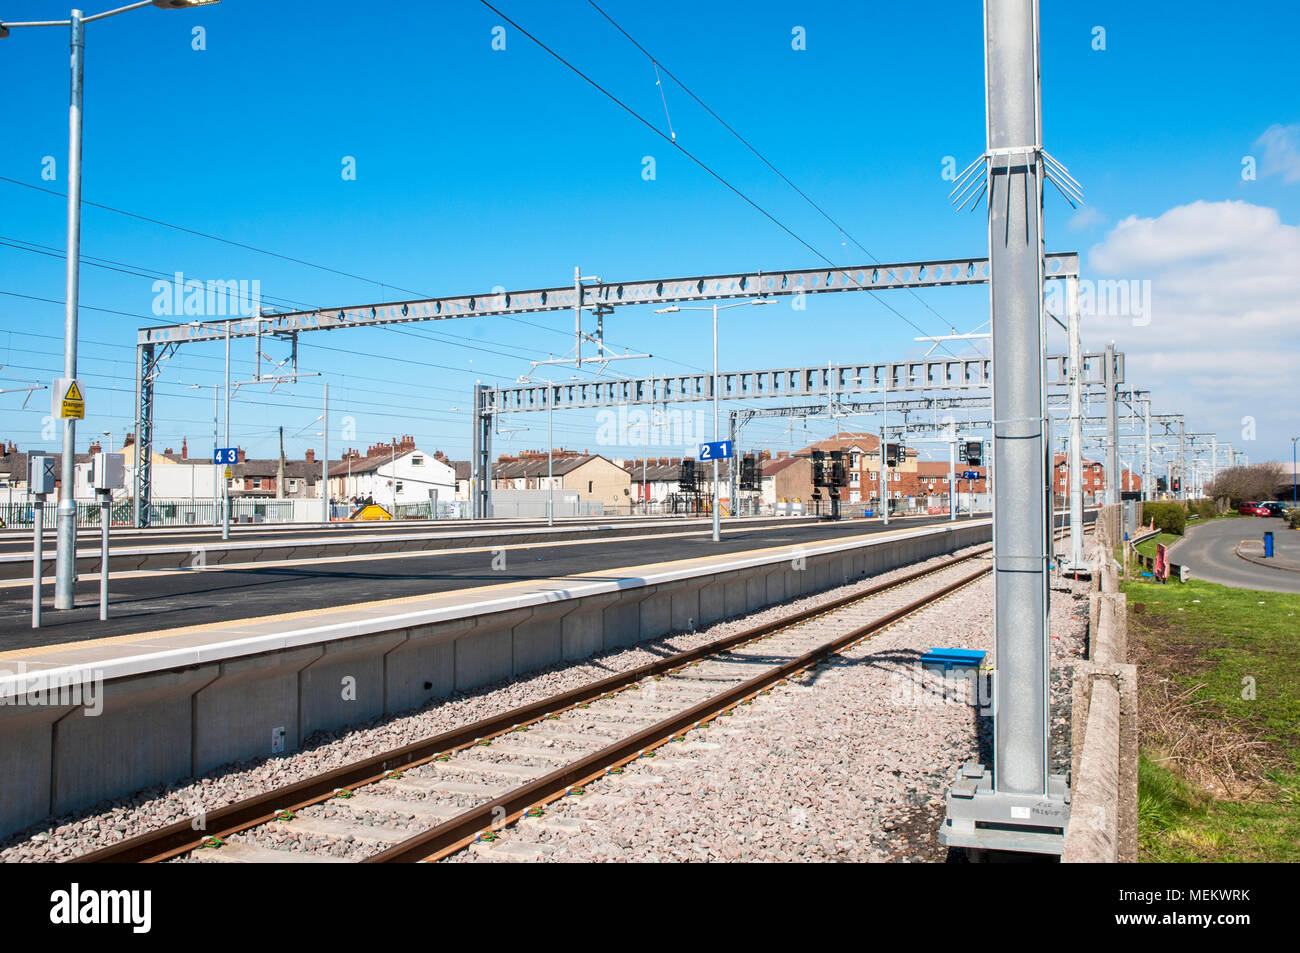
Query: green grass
{"type": "Point", "coordinates": [1177, 824]}
{"type": "Point", "coordinates": [1148, 546]}
{"type": "Point", "coordinates": [1243, 649]}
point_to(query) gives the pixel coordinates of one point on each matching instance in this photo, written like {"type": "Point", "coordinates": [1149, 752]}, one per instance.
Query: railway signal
{"type": "Point", "coordinates": [686, 476]}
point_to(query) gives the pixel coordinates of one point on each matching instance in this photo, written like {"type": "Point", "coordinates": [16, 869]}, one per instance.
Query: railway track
{"type": "Point", "coordinates": [434, 797]}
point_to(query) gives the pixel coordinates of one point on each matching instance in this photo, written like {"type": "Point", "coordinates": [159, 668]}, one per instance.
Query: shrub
{"type": "Point", "coordinates": [1206, 509]}
{"type": "Point", "coordinates": [1169, 517]}
{"type": "Point", "coordinates": [1294, 516]}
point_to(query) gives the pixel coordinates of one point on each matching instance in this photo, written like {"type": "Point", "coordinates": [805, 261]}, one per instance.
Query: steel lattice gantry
{"type": "Point", "coordinates": [791, 382]}
{"type": "Point", "coordinates": [154, 343]}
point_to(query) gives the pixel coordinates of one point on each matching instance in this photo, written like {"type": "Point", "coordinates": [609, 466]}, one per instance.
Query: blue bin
{"type": "Point", "coordinates": [1268, 545]}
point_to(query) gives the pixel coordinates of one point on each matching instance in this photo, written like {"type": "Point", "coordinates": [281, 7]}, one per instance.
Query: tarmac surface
{"type": "Point", "coordinates": [19, 541]}
{"type": "Point", "coordinates": [1208, 550]}
{"type": "Point", "coordinates": [147, 601]}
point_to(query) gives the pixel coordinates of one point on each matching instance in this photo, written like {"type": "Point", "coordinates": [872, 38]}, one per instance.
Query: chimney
{"type": "Point", "coordinates": [185, 448]}
{"type": "Point", "coordinates": [95, 447]}
{"type": "Point", "coordinates": [128, 441]}
{"type": "Point", "coordinates": [310, 455]}
{"type": "Point", "coordinates": [242, 454]}
{"type": "Point", "coordinates": [168, 451]}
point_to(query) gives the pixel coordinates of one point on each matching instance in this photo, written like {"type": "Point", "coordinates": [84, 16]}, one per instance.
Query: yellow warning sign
{"type": "Point", "coordinates": [229, 473]}
{"type": "Point", "coordinates": [72, 403]}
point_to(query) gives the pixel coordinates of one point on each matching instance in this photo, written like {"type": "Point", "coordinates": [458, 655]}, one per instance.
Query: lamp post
{"type": "Point", "coordinates": [215, 418]}
{"type": "Point", "coordinates": [673, 309]}
{"type": "Point", "coordinates": [1295, 493]}
{"type": "Point", "coordinates": [65, 565]}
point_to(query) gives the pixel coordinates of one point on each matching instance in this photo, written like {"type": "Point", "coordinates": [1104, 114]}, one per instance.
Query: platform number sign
{"type": "Point", "coordinates": [225, 455]}
{"type": "Point", "coordinates": [970, 475]}
{"type": "Point", "coordinates": [721, 450]}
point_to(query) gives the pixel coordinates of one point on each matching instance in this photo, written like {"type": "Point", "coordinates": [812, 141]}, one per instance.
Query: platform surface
{"type": "Point", "coordinates": [147, 648]}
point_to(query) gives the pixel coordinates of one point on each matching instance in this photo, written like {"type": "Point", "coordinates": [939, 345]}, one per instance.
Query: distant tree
{"type": "Point", "coordinates": [1259, 481]}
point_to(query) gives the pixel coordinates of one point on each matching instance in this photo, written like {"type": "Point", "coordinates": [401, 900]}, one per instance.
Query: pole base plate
{"type": "Point", "coordinates": [980, 817]}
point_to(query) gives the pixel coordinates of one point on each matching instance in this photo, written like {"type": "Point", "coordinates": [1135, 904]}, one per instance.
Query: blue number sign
{"type": "Point", "coordinates": [716, 451]}
{"type": "Point", "coordinates": [226, 455]}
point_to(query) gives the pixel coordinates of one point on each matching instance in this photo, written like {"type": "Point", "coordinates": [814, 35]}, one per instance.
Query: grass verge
{"type": "Point", "coordinates": [1219, 713]}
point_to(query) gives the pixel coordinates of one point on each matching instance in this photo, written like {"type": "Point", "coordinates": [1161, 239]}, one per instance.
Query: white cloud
{"type": "Point", "coordinates": [1281, 145]}
{"type": "Point", "coordinates": [1223, 341]}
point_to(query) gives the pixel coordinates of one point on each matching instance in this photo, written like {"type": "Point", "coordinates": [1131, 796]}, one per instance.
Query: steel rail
{"type": "Point", "coordinates": [181, 837]}
{"type": "Point", "coordinates": [466, 827]}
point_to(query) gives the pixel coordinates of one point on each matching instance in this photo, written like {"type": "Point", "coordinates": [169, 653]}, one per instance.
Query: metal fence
{"type": "Point", "coordinates": [172, 512]}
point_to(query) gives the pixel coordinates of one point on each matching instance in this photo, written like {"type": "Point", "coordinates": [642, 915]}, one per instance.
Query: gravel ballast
{"type": "Point", "coordinates": [850, 763]}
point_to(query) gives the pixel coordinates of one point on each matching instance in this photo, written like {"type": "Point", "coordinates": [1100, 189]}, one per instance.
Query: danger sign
{"type": "Point", "coordinates": [69, 399]}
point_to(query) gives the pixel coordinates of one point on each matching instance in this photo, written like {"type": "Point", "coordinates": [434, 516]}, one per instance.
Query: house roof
{"type": "Point", "coordinates": [1061, 460]}
{"type": "Point", "coordinates": [671, 472]}
{"type": "Point", "coordinates": [844, 441]}
{"type": "Point", "coordinates": [15, 464]}
{"type": "Point", "coordinates": [295, 469]}
{"type": "Point", "coordinates": [371, 463]}
{"type": "Point", "coordinates": [773, 467]}
{"type": "Point", "coordinates": [535, 467]}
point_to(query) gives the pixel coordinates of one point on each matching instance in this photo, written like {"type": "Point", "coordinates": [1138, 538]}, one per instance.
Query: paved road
{"type": "Point", "coordinates": [1207, 550]}
{"type": "Point", "coordinates": [161, 600]}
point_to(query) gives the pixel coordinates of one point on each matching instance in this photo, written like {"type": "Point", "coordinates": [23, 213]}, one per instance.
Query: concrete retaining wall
{"type": "Point", "coordinates": [163, 721]}
{"type": "Point", "coordinates": [1104, 744]}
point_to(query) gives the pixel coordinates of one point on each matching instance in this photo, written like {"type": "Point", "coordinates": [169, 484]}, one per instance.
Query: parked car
{"type": "Point", "coordinates": [1274, 508]}
{"type": "Point", "coordinates": [1247, 509]}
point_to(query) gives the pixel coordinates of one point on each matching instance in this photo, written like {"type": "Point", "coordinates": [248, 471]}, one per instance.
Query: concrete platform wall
{"type": "Point", "coordinates": [161, 726]}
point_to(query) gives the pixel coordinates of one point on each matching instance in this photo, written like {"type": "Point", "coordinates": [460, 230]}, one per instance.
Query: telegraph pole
{"type": "Point", "coordinates": [1076, 426]}
{"type": "Point", "coordinates": [325, 452]}
{"type": "Point", "coordinates": [1147, 489]}
{"type": "Point", "coordinates": [225, 482]}
{"type": "Point", "coordinates": [952, 471]}
{"type": "Point", "coordinates": [1112, 430]}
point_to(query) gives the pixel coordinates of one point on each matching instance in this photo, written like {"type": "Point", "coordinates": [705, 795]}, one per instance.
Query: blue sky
{"type": "Point", "coordinates": [477, 167]}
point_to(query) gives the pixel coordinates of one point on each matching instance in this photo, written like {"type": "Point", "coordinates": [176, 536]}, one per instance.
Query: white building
{"type": "Point", "coordinates": [392, 475]}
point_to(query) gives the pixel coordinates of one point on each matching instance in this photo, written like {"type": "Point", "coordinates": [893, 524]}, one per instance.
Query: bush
{"type": "Point", "coordinates": [1294, 517]}
{"type": "Point", "coordinates": [1206, 509]}
{"type": "Point", "coordinates": [1169, 517]}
